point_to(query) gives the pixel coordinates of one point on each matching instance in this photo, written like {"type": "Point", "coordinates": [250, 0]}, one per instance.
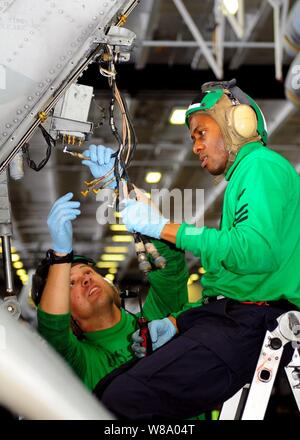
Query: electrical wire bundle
{"type": "Point", "coordinates": [127, 138]}
{"type": "Point", "coordinates": [124, 155]}
{"type": "Point", "coordinates": [50, 143]}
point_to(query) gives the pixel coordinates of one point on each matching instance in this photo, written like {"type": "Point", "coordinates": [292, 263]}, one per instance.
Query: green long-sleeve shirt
{"type": "Point", "coordinates": [103, 351]}
{"type": "Point", "coordinates": [255, 255]}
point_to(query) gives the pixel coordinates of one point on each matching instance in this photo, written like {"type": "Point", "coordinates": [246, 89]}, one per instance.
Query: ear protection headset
{"type": "Point", "coordinates": [243, 117]}
{"type": "Point", "coordinates": [242, 121]}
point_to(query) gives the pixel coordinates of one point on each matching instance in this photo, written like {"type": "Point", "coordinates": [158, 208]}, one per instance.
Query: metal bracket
{"type": "Point", "coordinates": [121, 38]}
{"type": "Point", "coordinates": [69, 126]}
{"type": "Point", "coordinates": [11, 305]}
{"type": "Point", "coordinates": [116, 36]}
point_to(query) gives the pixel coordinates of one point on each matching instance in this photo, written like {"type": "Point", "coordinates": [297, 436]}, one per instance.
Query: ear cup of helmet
{"type": "Point", "coordinates": [242, 121]}
{"type": "Point", "coordinates": [38, 281]}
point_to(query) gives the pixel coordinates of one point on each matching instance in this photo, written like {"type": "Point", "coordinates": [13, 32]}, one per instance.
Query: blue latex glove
{"type": "Point", "coordinates": [161, 331]}
{"type": "Point", "coordinates": [100, 162]}
{"type": "Point", "coordinates": [59, 223]}
{"type": "Point", "coordinates": [142, 217]}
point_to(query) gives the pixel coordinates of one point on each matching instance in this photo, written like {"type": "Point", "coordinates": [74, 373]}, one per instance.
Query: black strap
{"type": "Point", "coordinates": [235, 92]}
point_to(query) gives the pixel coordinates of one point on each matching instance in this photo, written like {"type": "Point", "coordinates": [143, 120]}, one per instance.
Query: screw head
{"type": "Point", "coordinates": [275, 343]}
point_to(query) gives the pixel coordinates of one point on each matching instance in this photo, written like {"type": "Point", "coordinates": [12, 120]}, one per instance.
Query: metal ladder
{"type": "Point", "coordinates": [251, 401]}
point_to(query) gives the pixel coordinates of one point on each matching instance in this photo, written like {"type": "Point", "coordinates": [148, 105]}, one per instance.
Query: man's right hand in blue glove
{"type": "Point", "coordinates": [161, 331]}
{"type": "Point", "coordinates": [142, 217]}
{"type": "Point", "coordinates": [59, 223]}
{"type": "Point", "coordinates": [101, 161]}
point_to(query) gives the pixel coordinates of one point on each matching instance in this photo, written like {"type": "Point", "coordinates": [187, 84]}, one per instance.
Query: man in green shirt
{"type": "Point", "coordinates": [71, 292]}
{"type": "Point", "coordinates": [251, 264]}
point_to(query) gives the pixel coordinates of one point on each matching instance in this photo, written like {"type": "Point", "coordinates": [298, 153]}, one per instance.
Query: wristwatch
{"type": "Point", "coordinates": [52, 258]}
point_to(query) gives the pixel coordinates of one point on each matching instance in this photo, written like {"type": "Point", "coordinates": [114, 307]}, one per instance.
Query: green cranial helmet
{"type": "Point", "coordinates": [39, 278]}
{"type": "Point", "coordinates": [212, 92]}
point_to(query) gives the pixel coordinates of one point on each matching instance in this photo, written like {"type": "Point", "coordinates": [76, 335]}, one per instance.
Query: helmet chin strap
{"type": "Point", "coordinates": [230, 160]}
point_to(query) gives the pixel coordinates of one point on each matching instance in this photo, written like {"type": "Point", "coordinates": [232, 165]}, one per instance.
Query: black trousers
{"type": "Point", "coordinates": [213, 357]}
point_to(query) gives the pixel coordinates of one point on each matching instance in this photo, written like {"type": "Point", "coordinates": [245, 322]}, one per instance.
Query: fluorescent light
{"type": "Point", "coordinates": [15, 257]}
{"type": "Point", "coordinates": [177, 116]}
{"type": "Point", "coordinates": [116, 249]}
{"type": "Point", "coordinates": [118, 228]}
{"type": "Point", "coordinates": [231, 6]}
{"type": "Point", "coordinates": [122, 238]}
{"type": "Point", "coordinates": [18, 265]}
{"type": "Point", "coordinates": [113, 270]}
{"type": "Point", "coordinates": [110, 276]}
{"type": "Point", "coordinates": [12, 249]}
{"type": "Point", "coordinates": [21, 272]}
{"type": "Point", "coordinates": [153, 177]}
{"type": "Point", "coordinates": [106, 264]}
{"type": "Point", "coordinates": [113, 257]}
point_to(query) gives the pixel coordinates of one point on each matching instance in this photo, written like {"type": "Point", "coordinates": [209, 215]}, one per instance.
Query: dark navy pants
{"type": "Point", "coordinates": [212, 358]}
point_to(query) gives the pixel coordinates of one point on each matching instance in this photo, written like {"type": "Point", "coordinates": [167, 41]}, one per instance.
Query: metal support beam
{"type": "Point", "coordinates": [209, 44]}
{"type": "Point", "coordinates": [280, 10]}
{"type": "Point", "coordinates": [241, 15]}
{"type": "Point", "coordinates": [147, 19]}
{"type": "Point", "coordinates": [219, 36]}
{"type": "Point", "coordinates": [251, 22]}
{"type": "Point", "coordinates": [237, 22]}
{"type": "Point", "coordinates": [6, 232]}
{"type": "Point", "coordinates": [287, 110]}
{"type": "Point", "coordinates": [218, 70]}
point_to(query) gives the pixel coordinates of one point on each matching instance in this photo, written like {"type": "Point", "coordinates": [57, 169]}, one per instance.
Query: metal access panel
{"type": "Point", "coordinates": [44, 46]}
